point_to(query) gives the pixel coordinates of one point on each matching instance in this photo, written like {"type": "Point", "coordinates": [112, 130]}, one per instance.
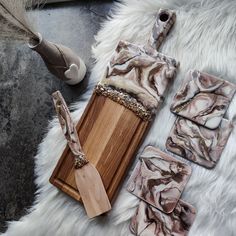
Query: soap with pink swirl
{"type": "Point", "coordinates": [197, 143]}
{"type": "Point", "coordinates": [204, 99]}
{"type": "Point", "coordinates": [159, 179]}
{"type": "Point", "coordinates": [149, 221]}
{"type": "Point", "coordinates": [141, 73]}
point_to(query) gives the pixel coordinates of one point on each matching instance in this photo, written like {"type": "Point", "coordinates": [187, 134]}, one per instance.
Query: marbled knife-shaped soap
{"type": "Point", "coordinates": [159, 179]}
{"type": "Point", "coordinates": [197, 143]}
{"type": "Point", "coordinates": [149, 221]}
{"type": "Point", "coordinates": [204, 99]}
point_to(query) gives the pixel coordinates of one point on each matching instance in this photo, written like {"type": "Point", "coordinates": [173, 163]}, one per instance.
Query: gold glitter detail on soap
{"type": "Point", "coordinates": [80, 161]}
{"type": "Point", "coordinates": [124, 99]}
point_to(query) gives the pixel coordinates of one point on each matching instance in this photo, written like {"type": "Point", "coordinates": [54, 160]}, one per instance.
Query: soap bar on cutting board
{"type": "Point", "coordinates": [143, 75]}
{"type": "Point", "coordinates": [149, 221]}
{"type": "Point", "coordinates": [203, 99]}
{"type": "Point", "coordinates": [116, 118]}
{"type": "Point", "coordinates": [197, 143]}
{"type": "Point", "coordinates": [159, 179]}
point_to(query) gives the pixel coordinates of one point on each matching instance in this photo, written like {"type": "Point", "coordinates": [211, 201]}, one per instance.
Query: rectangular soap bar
{"type": "Point", "coordinates": [138, 77]}
{"type": "Point", "coordinates": [149, 221]}
{"type": "Point", "coordinates": [159, 179]}
{"type": "Point", "coordinates": [197, 143]}
{"type": "Point", "coordinates": [204, 99]}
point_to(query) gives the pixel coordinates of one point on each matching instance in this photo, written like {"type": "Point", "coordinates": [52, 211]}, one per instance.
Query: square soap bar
{"type": "Point", "coordinates": [197, 143]}
{"type": "Point", "coordinates": [149, 221]}
{"type": "Point", "coordinates": [159, 179]}
{"type": "Point", "coordinates": [204, 99]}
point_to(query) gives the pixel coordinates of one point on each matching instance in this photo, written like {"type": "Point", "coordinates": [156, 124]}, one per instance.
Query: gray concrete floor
{"type": "Point", "coordinates": [25, 96]}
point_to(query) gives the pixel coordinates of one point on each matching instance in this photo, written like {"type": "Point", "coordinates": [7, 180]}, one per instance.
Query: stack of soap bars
{"type": "Point", "coordinates": [159, 180]}
{"type": "Point", "coordinates": [200, 132]}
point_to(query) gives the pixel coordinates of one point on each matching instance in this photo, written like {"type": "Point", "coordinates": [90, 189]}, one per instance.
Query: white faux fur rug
{"type": "Point", "coordinates": [204, 38]}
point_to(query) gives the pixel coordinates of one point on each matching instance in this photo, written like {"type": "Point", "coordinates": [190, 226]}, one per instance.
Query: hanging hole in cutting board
{"type": "Point", "coordinates": [164, 17]}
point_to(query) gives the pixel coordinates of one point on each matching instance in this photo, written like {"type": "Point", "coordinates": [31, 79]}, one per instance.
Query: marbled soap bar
{"type": "Point", "coordinates": [149, 221]}
{"type": "Point", "coordinates": [204, 99]}
{"type": "Point", "coordinates": [197, 143]}
{"type": "Point", "coordinates": [158, 179]}
{"type": "Point", "coordinates": [141, 73]}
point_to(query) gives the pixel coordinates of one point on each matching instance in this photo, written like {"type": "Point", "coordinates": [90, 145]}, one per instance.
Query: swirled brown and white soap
{"type": "Point", "coordinates": [197, 143]}
{"type": "Point", "coordinates": [159, 179]}
{"type": "Point", "coordinates": [149, 221]}
{"type": "Point", "coordinates": [204, 99]}
{"type": "Point", "coordinates": [139, 74]}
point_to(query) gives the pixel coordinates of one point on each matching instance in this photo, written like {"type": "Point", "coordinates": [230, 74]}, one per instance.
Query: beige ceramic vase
{"type": "Point", "coordinates": [60, 60]}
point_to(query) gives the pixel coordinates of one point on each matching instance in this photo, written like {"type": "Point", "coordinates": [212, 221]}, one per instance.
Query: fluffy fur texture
{"type": "Point", "coordinates": [14, 23]}
{"type": "Point", "coordinates": [203, 38]}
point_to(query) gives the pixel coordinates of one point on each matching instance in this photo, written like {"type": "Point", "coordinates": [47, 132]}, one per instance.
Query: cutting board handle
{"type": "Point", "coordinates": [165, 19]}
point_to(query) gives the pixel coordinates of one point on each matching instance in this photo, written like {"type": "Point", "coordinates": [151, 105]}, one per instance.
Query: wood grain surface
{"type": "Point", "coordinates": [110, 135]}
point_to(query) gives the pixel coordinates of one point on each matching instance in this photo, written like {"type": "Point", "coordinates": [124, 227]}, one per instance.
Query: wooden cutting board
{"type": "Point", "coordinates": [110, 135]}
{"type": "Point", "coordinates": [115, 120]}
